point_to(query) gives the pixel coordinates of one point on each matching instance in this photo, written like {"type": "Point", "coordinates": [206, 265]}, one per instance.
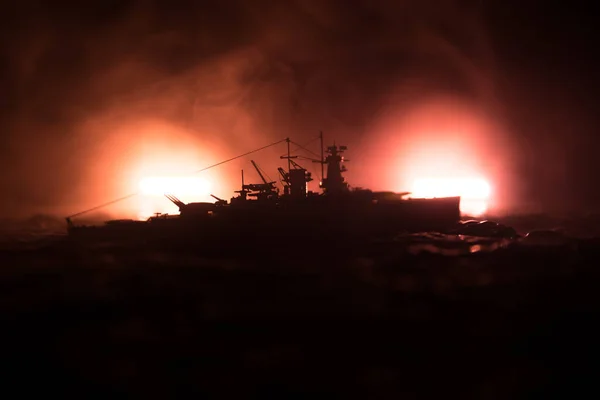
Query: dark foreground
{"type": "Point", "coordinates": [515, 323]}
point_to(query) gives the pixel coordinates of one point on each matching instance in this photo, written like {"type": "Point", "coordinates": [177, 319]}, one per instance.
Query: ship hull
{"type": "Point", "coordinates": [262, 225]}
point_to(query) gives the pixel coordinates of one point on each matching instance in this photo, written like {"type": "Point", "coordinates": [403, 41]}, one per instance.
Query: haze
{"type": "Point", "coordinates": [97, 97]}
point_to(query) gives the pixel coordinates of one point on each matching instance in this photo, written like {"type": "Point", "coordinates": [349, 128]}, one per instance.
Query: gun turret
{"type": "Point", "coordinates": [219, 202]}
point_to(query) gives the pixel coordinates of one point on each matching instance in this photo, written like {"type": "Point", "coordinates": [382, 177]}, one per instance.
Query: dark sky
{"type": "Point", "coordinates": [294, 66]}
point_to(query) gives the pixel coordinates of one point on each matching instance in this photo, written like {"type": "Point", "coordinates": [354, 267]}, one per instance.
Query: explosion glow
{"type": "Point", "coordinates": [474, 192]}
{"type": "Point", "coordinates": [153, 158]}
{"type": "Point", "coordinates": [184, 186]}
{"type": "Point", "coordinates": [444, 146]}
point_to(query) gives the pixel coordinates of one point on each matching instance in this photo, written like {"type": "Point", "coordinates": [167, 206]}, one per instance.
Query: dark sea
{"type": "Point", "coordinates": [472, 314]}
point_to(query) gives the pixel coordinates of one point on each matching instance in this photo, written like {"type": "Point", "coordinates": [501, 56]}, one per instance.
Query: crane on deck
{"type": "Point", "coordinates": [262, 191]}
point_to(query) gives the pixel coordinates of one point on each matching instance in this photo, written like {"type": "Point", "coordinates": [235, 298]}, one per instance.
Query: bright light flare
{"type": "Point", "coordinates": [472, 188]}
{"type": "Point", "coordinates": [177, 186]}
{"type": "Point", "coordinates": [475, 192]}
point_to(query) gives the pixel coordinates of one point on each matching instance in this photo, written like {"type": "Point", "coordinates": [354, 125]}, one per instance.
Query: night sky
{"type": "Point", "coordinates": [295, 69]}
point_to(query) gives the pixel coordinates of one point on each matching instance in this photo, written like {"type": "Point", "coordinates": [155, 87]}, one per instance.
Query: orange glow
{"type": "Point", "coordinates": [440, 145]}
{"type": "Point", "coordinates": [474, 192]}
{"type": "Point", "coordinates": [178, 186]}
{"type": "Point", "coordinates": [443, 146]}
{"type": "Point", "coordinates": [447, 168]}
{"type": "Point", "coordinates": [154, 159]}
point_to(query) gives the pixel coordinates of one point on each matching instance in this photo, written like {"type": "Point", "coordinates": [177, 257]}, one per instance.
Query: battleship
{"type": "Point", "coordinates": [259, 212]}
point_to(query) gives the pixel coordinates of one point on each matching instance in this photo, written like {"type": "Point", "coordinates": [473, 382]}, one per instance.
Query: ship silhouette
{"type": "Point", "coordinates": [259, 212]}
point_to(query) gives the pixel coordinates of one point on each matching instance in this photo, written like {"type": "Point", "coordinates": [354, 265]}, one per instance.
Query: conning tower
{"type": "Point", "coordinates": [335, 183]}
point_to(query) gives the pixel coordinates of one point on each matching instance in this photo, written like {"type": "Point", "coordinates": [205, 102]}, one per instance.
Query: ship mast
{"type": "Point", "coordinates": [322, 157]}
{"type": "Point", "coordinates": [289, 157]}
{"type": "Point", "coordinates": [334, 183]}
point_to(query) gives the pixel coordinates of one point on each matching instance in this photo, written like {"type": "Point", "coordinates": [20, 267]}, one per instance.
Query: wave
{"type": "Point", "coordinates": [469, 237]}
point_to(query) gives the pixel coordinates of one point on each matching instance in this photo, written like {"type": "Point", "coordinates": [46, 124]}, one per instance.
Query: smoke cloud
{"type": "Point", "coordinates": [88, 87]}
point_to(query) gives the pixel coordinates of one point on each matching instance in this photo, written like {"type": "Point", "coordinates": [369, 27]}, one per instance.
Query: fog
{"type": "Point", "coordinates": [98, 95]}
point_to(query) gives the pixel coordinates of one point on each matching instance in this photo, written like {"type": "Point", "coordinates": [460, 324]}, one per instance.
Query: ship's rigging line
{"type": "Point", "coordinates": [195, 172]}
{"type": "Point", "coordinates": [304, 147]}
{"type": "Point", "coordinates": [309, 158]}
{"type": "Point", "coordinates": [300, 147]}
